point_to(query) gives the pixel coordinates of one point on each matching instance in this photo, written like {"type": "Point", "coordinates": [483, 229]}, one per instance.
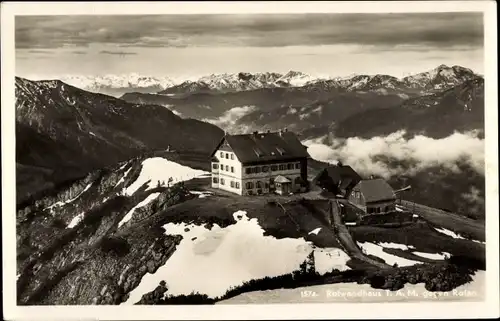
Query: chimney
{"type": "Point", "coordinates": [268, 131]}
{"type": "Point", "coordinates": [255, 133]}
{"type": "Point", "coordinates": [285, 129]}
{"type": "Point", "coordinates": [281, 132]}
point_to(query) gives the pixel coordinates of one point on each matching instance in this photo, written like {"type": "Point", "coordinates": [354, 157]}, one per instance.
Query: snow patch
{"type": "Point", "coordinates": [230, 256]}
{"type": "Point", "coordinates": [159, 169]}
{"type": "Point", "coordinates": [121, 180]}
{"type": "Point", "coordinates": [201, 194]}
{"type": "Point", "coordinates": [59, 204]}
{"type": "Point", "coordinates": [455, 235]}
{"type": "Point", "coordinates": [315, 231]}
{"type": "Point", "coordinates": [377, 250]}
{"type": "Point", "coordinates": [396, 246]}
{"type": "Point", "coordinates": [327, 259]}
{"type": "Point", "coordinates": [77, 219]}
{"type": "Point", "coordinates": [434, 256]}
{"type": "Point", "coordinates": [147, 200]}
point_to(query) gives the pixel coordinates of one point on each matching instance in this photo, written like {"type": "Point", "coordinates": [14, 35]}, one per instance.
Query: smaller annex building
{"type": "Point", "coordinates": [338, 179]}
{"type": "Point", "coordinates": [373, 196]}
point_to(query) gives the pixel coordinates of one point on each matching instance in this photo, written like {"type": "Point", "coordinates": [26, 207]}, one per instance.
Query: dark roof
{"type": "Point", "coordinates": [262, 147]}
{"type": "Point", "coordinates": [342, 174]}
{"type": "Point", "coordinates": [375, 190]}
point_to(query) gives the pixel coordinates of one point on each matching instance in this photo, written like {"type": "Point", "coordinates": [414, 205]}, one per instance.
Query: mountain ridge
{"type": "Point", "coordinates": [120, 84]}
{"type": "Point", "coordinates": [70, 131]}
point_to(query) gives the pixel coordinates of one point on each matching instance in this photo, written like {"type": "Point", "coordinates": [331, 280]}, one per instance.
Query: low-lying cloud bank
{"type": "Point", "coordinates": [394, 155]}
{"type": "Point", "coordinates": [228, 120]}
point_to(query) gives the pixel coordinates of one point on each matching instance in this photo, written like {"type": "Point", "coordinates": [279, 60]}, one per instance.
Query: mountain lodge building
{"type": "Point", "coordinates": [260, 163]}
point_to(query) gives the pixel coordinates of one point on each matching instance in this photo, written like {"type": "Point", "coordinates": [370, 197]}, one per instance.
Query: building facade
{"type": "Point", "coordinates": [260, 163]}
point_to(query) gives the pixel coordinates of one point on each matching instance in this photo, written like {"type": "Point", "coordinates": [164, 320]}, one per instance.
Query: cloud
{"type": "Point", "coordinates": [254, 30]}
{"type": "Point", "coordinates": [120, 53]}
{"type": "Point", "coordinates": [43, 52]}
{"type": "Point", "coordinates": [230, 117]}
{"type": "Point", "coordinates": [395, 155]}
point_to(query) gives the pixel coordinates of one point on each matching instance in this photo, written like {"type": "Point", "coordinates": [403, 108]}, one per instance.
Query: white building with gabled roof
{"type": "Point", "coordinates": [260, 163]}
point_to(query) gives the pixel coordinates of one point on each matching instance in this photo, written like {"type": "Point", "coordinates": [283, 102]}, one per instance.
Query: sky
{"type": "Point", "coordinates": [187, 46]}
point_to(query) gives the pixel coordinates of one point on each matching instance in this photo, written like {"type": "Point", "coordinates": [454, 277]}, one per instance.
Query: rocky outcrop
{"type": "Point", "coordinates": [71, 251]}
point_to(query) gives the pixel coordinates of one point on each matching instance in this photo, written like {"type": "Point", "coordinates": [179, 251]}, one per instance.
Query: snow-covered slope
{"type": "Point", "coordinates": [118, 84]}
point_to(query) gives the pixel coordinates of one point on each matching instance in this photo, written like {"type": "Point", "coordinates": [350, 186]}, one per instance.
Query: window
{"type": "Point", "coordinates": [215, 166]}
{"type": "Point", "coordinates": [257, 169]}
{"type": "Point", "coordinates": [222, 181]}
{"type": "Point", "coordinates": [215, 180]}
{"type": "Point", "coordinates": [227, 168]}
{"type": "Point", "coordinates": [248, 170]}
{"type": "Point", "coordinates": [237, 185]}
{"type": "Point", "coordinates": [232, 169]}
{"type": "Point", "coordinates": [250, 192]}
{"type": "Point", "coordinates": [274, 167]}
{"type": "Point", "coordinates": [232, 156]}
{"type": "Point", "coordinates": [282, 167]}
{"type": "Point", "coordinates": [259, 184]}
{"type": "Point", "coordinates": [289, 166]}
{"type": "Point", "coordinates": [222, 154]}
{"type": "Point", "coordinates": [259, 191]}
{"type": "Point", "coordinates": [265, 169]}
{"type": "Point", "coordinates": [297, 166]}
{"type": "Point", "coordinates": [232, 184]}
{"type": "Point", "coordinates": [266, 185]}
{"type": "Point", "coordinates": [249, 185]}
{"type": "Point", "coordinates": [271, 181]}
{"type": "Point", "coordinates": [227, 155]}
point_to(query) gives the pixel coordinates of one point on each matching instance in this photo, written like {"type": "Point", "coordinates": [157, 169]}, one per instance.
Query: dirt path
{"type": "Point", "coordinates": [346, 239]}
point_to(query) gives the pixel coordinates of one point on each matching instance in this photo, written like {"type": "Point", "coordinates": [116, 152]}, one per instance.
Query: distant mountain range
{"type": "Point", "coordinates": [439, 78]}
{"type": "Point", "coordinates": [117, 85]}
{"type": "Point", "coordinates": [320, 106]}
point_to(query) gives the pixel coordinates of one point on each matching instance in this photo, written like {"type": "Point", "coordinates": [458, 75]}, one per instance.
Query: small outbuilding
{"type": "Point", "coordinates": [373, 196]}
{"type": "Point", "coordinates": [338, 179]}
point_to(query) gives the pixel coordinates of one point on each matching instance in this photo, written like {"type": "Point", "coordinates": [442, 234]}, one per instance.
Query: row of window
{"type": "Point", "coordinates": [259, 184]}
{"type": "Point", "coordinates": [222, 181]}
{"type": "Point", "coordinates": [265, 168]}
{"type": "Point", "coordinates": [371, 210]}
{"type": "Point", "coordinates": [222, 154]}
{"type": "Point", "coordinates": [227, 167]}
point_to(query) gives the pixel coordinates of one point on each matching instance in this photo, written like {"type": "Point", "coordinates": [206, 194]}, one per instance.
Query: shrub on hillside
{"type": "Point", "coordinates": [115, 245]}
